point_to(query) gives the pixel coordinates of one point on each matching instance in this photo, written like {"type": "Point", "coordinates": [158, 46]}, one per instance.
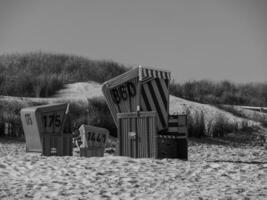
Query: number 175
{"type": "Point", "coordinates": [52, 120]}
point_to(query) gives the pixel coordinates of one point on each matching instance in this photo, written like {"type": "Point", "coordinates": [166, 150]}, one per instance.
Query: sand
{"type": "Point", "coordinates": [213, 171]}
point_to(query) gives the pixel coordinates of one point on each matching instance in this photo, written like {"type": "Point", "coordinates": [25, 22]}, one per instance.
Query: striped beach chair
{"type": "Point", "coordinates": [177, 126]}
{"type": "Point", "coordinates": [173, 142]}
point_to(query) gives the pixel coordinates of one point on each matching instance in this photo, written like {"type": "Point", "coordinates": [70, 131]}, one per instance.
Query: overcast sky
{"type": "Point", "coordinates": [194, 39]}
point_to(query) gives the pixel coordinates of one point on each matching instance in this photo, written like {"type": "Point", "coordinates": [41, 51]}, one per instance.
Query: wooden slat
{"type": "Point", "coordinates": [144, 126]}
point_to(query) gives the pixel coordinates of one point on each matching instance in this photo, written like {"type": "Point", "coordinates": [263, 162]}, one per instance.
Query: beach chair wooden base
{"type": "Point", "coordinates": [172, 147]}
{"type": "Point", "coordinates": [57, 145]}
{"type": "Point", "coordinates": [92, 152]}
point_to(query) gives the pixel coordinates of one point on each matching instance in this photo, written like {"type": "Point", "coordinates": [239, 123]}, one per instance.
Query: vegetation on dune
{"type": "Point", "coordinates": [42, 74]}
{"type": "Point", "coordinates": [223, 95]}
{"type": "Point", "coordinates": [95, 113]}
{"type": "Point", "coordinates": [10, 113]}
{"type": "Point", "coordinates": [245, 113]}
{"type": "Point", "coordinates": [224, 92]}
{"type": "Point", "coordinates": [213, 127]}
{"type": "Point", "coordinates": [99, 115]}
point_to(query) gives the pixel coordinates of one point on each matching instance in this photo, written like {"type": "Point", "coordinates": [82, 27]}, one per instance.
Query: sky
{"type": "Point", "coordinates": [194, 39]}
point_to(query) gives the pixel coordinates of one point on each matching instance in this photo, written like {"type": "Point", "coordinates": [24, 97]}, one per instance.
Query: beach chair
{"type": "Point", "coordinates": [172, 142]}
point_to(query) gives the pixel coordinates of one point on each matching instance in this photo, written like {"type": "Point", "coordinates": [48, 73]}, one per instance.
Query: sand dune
{"type": "Point", "coordinates": [85, 90]}
{"type": "Point", "coordinates": [81, 91]}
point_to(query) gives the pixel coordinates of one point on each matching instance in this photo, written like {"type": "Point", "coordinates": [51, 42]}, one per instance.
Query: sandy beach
{"type": "Point", "coordinates": [213, 171]}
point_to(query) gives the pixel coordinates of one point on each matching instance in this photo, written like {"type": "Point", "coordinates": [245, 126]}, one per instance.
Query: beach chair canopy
{"type": "Point", "coordinates": [139, 89]}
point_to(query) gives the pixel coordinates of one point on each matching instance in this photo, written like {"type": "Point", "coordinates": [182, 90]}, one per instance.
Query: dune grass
{"type": "Point", "coordinates": [95, 112]}
{"type": "Point", "coordinates": [214, 127]}
{"type": "Point", "coordinates": [245, 113]}
{"type": "Point", "coordinates": [223, 92]}
{"type": "Point", "coordinates": [42, 74]}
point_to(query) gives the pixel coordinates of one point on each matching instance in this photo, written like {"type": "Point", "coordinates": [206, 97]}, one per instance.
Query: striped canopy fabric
{"type": "Point", "coordinates": [155, 97]}
{"type": "Point", "coordinates": [177, 126]}
{"type": "Point", "coordinates": [153, 73]}
{"type": "Point", "coordinates": [143, 89]}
